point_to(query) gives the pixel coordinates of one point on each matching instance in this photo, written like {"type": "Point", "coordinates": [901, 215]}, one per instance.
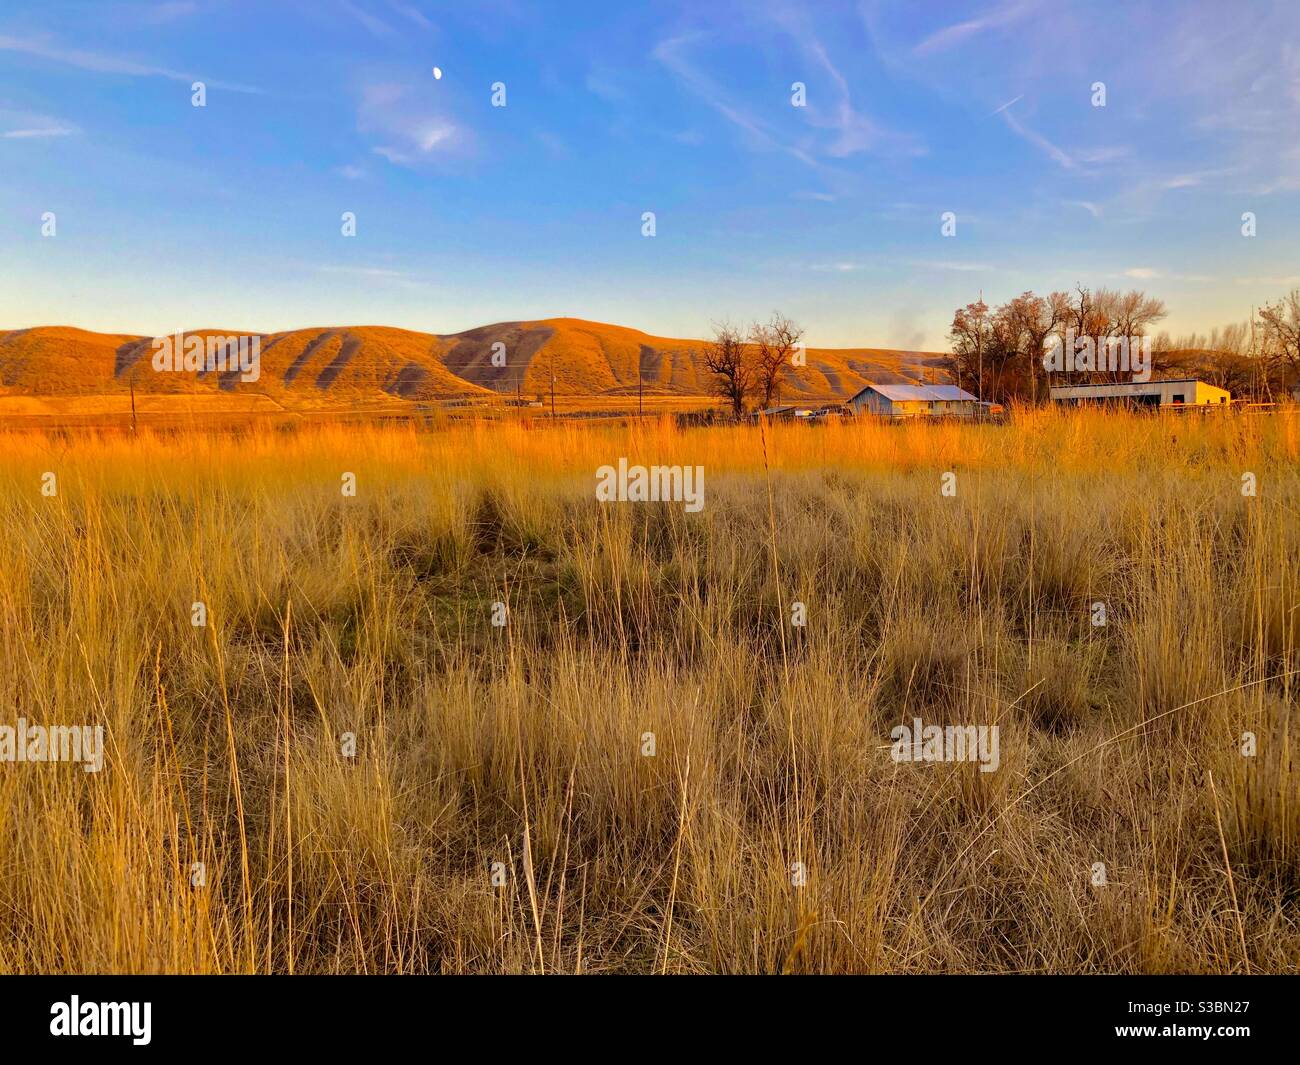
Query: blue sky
{"type": "Point", "coordinates": [170, 215]}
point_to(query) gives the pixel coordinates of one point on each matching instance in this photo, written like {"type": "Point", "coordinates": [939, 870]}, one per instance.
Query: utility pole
{"type": "Point", "coordinates": [639, 403]}
{"type": "Point", "coordinates": [1254, 362]}
{"type": "Point", "coordinates": [552, 384]}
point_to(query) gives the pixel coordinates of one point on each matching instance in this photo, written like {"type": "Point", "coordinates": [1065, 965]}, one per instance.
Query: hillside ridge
{"type": "Point", "coordinates": [366, 363]}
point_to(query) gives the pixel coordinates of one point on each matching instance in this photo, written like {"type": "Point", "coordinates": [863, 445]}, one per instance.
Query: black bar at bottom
{"type": "Point", "coordinates": [336, 1013]}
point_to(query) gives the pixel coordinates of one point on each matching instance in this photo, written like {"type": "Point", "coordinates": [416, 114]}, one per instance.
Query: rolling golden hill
{"type": "Point", "coordinates": [347, 365]}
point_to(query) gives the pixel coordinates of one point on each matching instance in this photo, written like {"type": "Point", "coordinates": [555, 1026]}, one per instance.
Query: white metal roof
{"type": "Point", "coordinates": [1132, 387]}
{"type": "Point", "coordinates": [922, 393]}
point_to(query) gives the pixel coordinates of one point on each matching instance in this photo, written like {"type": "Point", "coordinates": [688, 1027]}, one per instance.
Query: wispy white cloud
{"type": "Point", "coordinates": [1287, 281]}
{"type": "Point", "coordinates": [603, 82]}
{"type": "Point", "coordinates": [1148, 273]}
{"type": "Point", "coordinates": [1100, 156]}
{"type": "Point", "coordinates": [857, 132]}
{"type": "Point", "coordinates": [955, 34]}
{"type": "Point", "coordinates": [671, 53]}
{"type": "Point", "coordinates": [372, 23]}
{"type": "Point", "coordinates": [848, 266]}
{"type": "Point", "coordinates": [363, 271]}
{"type": "Point", "coordinates": [101, 63]}
{"type": "Point", "coordinates": [845, 267]}
{"type": "Point", "coordinates": [410, 133]}
{"type": "Point", "coordinates": [952, 264]}
{"type": "Point", "coordinates": [1241, 78]}
{"type": "Point", "coordinates": [413, 13]}
{"type": "Point", "coordinates": [552, 142]}
{"type": "Point", "coordinates": [42, 131]}
{"type": "Point", "coordinates": [379, 276]}
{"type": "Point", "coordinates": [1068, 160]}
{"type": "Point", "coordinates": [1092, 208]}
{"type": "Point", "coordinates": [1227, 85]}
{"type": "Point", "coordinates": [1284, 183]}
{"type": "Point", "coordinates": [172, 11]}
{"type": "Point", "coordinates": [1058, 155]}
{"type": "Point", "coordinates": [853, 130]}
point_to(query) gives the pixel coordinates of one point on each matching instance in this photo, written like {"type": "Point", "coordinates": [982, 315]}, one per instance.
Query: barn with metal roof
{"type": "Point", "coordinates": [1178, 392]}
{"type": "Point", "coordinates": [900, 401]}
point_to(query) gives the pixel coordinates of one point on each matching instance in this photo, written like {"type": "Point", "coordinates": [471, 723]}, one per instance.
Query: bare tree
{"type": "Point", "coordinates": [1280, 323]}
{"type": "Point", "coordinates": [727, 359]}
{"type": "Point", "coordinates": [774, 344]}
{"type": "Point", "coordinates": [971, 335]}
{"type": "Point", "coordinates": [1105, 315]}
{"type": "Point", "coordinates": [1028, 321]}
{"type": "Point", "coordinates": [1002, 356]}
{"type": "Point", "coordinates": [1222, 358]}
{"type": "Point", "coordinates": [1130, 314]}
{"type": "Point", "coordinates": [999, 353]}
{"type": "Point", "coordinates": [1133, 312]}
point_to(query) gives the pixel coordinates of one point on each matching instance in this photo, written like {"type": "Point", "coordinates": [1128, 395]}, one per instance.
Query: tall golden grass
{"type": "Point", "coordinates": [523, 745]}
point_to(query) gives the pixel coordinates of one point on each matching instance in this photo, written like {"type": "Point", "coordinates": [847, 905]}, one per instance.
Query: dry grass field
{"type": "Point", "coordinates": [499, 814]}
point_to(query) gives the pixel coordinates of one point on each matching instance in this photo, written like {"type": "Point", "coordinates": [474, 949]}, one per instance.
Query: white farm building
{"type": "Point", "coordinates": [902, 401]}
{"type": "Point", "coordinates": [1184, 392]}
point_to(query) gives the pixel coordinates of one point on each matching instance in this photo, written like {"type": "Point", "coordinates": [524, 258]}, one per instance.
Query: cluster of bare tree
{"type": "Point", "coordinates": [998, 353]}
{"type": "Point", "coordinates": [1256, 359]}
{"type": "Point", "coordinates": [752, 367]}
{"type": "Point", "coordinates": [1280, 325]}
{"type": "Point", "coordinates": [1223, 357]}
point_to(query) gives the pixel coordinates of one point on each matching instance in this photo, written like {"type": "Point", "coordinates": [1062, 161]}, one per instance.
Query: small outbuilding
{"type": "Point", "coordinates": [1184, 392]}
{"type": "Point", "coordinates": [786, 413]}
{"type": "Point", "coordinates": [912, 401]}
